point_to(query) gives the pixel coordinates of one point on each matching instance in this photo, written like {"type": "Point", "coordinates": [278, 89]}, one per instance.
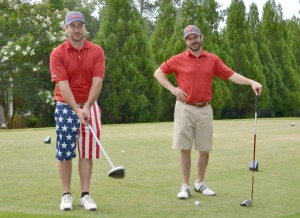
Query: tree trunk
{"type": "Point", "coordinates": [141, 6]}
{"type": "Point", "coordinates": [4, 104]}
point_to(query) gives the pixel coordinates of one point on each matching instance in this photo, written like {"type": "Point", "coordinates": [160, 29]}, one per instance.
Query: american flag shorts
{"type": "Point", "coordinates": [70, 133]}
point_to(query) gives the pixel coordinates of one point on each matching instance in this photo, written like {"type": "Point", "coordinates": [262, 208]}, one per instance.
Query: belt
{"type": "Point", "coordinates": [79, 104]}
{"type": "Point", "coordinates": [199, 104]}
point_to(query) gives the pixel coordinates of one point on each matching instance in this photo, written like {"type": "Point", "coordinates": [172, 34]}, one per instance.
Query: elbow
{"type": "Point", "coordinates": [157, 73]}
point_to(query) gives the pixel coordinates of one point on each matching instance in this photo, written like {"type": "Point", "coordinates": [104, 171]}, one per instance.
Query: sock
{"type": "Point", "coordinates": [66, 193]}
{"type": "Point", "coordinates": [84, 193]}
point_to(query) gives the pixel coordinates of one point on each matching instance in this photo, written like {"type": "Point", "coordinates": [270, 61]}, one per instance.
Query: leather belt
{"type": "Point", "coordinates": [199, 104]}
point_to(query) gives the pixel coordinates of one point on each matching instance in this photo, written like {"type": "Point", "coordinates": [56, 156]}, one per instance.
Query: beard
{"type": "Point", "coordinates": [77, 38]}
{"type": "Point", "coordinates": [196, 46]}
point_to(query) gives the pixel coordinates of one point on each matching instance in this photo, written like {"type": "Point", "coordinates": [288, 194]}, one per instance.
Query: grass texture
{"type": "Point", "coordinates": [30, 187]}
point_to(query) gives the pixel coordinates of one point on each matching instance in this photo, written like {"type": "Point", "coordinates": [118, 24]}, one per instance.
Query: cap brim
{"type": "Point", "coordinates": [74, 21]}
{"type": "Point", "coordinates": [191, 33]}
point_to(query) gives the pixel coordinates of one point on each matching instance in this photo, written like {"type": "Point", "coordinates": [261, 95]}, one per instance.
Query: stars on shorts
{"type": "Point", "coordinates": [67, 126]}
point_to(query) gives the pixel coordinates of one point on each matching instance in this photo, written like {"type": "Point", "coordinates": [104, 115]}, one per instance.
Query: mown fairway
{"type": "Point", "coordinates": [29, 183]}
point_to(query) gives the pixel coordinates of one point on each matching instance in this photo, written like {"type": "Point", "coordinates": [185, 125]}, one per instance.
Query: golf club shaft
{"type": "Point", "coordinates": [253, 168]}
{"type": "Point", "coordinates": [254, 145]}
{"type": "Point", "coordinates": [101, 147]}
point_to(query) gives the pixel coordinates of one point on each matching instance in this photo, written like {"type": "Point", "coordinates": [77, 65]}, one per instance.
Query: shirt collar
{"type": "Point", "coordinates": [188, 52]}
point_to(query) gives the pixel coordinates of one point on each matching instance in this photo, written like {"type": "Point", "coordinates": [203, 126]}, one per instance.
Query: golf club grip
{"type": "Point", "coordinates": [256, 103]}
{"type": "Point", "coordinates": [101, 147]}
{"type": "Point", "coordinates": [255, 114]}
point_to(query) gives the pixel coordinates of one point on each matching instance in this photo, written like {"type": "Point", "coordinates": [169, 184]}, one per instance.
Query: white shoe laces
{"type": "Point", "coordinates": [89, 199]}
{"type": "Point", "coordinates": [67, 199]}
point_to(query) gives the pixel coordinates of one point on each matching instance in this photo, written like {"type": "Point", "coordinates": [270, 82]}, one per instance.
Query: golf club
{"type": "Point", "coordinates": [249, 202]}
{"type": "Point", "coordinates": [116, 172]}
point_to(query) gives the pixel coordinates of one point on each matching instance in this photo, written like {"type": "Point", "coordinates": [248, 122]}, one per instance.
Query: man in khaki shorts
{"type": "Point", "coordinates": [194, 70]}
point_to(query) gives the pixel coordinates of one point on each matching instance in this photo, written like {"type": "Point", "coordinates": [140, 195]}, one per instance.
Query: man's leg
{"type": "Point", "coordinates": [88, 148]}
{"type": "Point", "coordinates": [200, 185]}
{"type": "Point", "coordinates": [85, 167]}
{"type": "Point", "coordinates": [202, 163]}
{"type": "Point", "coordinates": [65, 173]}
{"type": "Point", "coordinates": [185, 164]}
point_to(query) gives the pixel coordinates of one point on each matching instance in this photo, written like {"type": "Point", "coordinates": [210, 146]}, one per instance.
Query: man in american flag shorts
{"type": "Point", "coordinates": [77, 69]}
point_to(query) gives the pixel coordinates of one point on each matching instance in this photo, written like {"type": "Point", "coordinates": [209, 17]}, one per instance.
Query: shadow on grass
{"type": "Point", "coordinates": [4, 214]}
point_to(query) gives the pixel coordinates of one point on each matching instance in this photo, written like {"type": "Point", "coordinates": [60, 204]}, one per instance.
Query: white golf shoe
{"type": "Point", "coordinates": [204, 189]}
{"type": "Point", "coordinates": [88, 203]}
{"type": "Point", "coordinates": [184, 192]}
{"type": "Point", "coordinates": [66, 202]}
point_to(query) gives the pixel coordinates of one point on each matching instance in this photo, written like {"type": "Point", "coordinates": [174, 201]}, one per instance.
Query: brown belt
{"type": "Point", "coordinates": [199, 104]}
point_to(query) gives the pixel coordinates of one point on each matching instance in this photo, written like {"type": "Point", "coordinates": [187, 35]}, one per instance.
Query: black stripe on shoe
{"type": "Point", "coordinates": [203, 187]}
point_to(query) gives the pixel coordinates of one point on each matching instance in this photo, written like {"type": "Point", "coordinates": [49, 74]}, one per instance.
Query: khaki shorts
{"type": "Point", "coordinates": [192, 125]}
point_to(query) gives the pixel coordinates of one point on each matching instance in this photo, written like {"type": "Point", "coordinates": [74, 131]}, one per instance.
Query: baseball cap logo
{"type": "Point", "coordinates": [191, 29]}
{"type": "Point", "coordinates": [75, 16]}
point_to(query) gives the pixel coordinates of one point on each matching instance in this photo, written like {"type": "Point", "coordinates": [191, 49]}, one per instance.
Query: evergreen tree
{"type": "Point", "coordinates": [267, 61]}
{"type": "Point", "coordinates": [160, 42]}
{"type": "Point", "coordinates": [130, 94]}
{"type": "Point", "coordinates": [287, 87]}
{"type": "Point", "coordinates": [243, 51]}
{"type": "Point", "coordinates": [164, 28]}
{"type": "Point", "coordinates": [209, 23]}
{"type": "Point", "coordinates": [294, 40]}
{"type": "Point", "coordinates": [257, 67]}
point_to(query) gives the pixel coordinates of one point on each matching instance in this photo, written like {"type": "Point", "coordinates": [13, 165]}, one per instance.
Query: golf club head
{"type": "Point", "coordinates": [247, 203]}
{"type": "Point", "coordinates": [117, 172]}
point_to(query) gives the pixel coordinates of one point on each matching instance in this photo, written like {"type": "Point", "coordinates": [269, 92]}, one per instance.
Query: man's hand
{"type": "Point", "coordinates": [257, 87]}
{"type": "Point", "coordinates": [180, 94]}
{"type": "Point", "coordinates": [83, 114]}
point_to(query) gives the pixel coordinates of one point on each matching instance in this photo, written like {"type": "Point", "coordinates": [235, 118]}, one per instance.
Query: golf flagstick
{"type": "Point", "coordinates": [115, 172]}
{"type": "Point", "coordinates": [249, 202]}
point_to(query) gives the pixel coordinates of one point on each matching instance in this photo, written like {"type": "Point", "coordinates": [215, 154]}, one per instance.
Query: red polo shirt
{"type": "Point", "coordinates": [78, 67]}
{"type": "Point", "coordinates": [195, 75]}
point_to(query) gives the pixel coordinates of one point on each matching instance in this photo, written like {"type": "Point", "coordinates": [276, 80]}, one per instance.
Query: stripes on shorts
{"type": "Point", "coordinates": [69, 132]}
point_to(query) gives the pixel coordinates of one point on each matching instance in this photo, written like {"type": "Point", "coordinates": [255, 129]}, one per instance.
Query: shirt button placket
{"type": "Point", "coordinates": [79, 60]}
{"type": "Point", "coordinates": [79, 57]}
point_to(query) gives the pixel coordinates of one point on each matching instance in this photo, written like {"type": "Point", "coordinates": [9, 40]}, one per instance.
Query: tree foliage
{"type": "Point", "coordinates": [286, 69]}
{"type": "Point", "coordinates": [131, 94]}
{"type": "Point", "coordinates": [137, 36]}
{"type": "Point", "coordinates": [29, 34]}
{"type": "Point", "coordinates": [246, 58]}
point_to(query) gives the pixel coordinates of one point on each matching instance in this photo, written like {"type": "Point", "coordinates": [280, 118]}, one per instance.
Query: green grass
{"type": "Point", "coordinates": [29, 183]}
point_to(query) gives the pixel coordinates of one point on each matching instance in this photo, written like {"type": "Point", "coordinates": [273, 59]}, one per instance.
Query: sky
{"type": "Point", "coordinates": [289, 7]}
